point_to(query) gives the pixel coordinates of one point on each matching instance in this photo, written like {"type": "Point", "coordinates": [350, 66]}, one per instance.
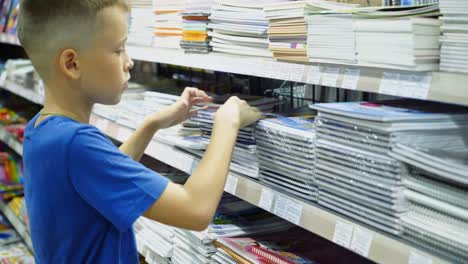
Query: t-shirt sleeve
{"type": "Point", "coordinates": [118, 187]}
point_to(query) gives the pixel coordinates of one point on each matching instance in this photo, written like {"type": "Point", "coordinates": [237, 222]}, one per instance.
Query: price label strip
{"type": "Point", "coordinates": [288, 209]}
{"type": "Point", "coordinates": [361, 242]}
{"type": "Point", "coordinates": [266, 199]}
{"type": "Point", "coordinates": [343, 234]}
{"type": "Point", "coordinates": [330, 76]}
{"type": "Point", "coordinates": [351, 79]}
{"type": "Point", "coordinates": [231, 184]}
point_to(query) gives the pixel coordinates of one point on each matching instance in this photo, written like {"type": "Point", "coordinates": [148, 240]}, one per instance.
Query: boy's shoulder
{"type": "Point", "coordinates": [56, 129]}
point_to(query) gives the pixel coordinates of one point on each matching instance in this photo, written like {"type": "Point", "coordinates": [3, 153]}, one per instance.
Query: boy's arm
{"type": "Point", "coordinates": [135, 146]}
{"type": "Point", "coordinates": [193, 205]}
{"type": "Point", "coordinates": [176, 113]}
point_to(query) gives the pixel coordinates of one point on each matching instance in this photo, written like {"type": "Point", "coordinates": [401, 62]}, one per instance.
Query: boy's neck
{"type": "Point", "coordinates": [66, 102]}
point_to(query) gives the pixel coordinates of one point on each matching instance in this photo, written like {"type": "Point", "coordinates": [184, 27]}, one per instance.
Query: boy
{"type": "Point", "coordinates": [82, 193]}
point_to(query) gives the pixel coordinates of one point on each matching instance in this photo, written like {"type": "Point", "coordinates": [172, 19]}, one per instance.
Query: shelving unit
{"type": "Point", "coordinates": [19, 225]}
{"type": "Point", "coordinates": [374, 245]}
{"type": "Point", "coordinates": [26, 93]}
{"type": "Point", "coordinates": [10, 140]}
{"type": "Point", "coordinates": [434, 86]}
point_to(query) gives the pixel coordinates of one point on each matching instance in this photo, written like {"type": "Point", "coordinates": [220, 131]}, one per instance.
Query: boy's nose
{"type": "Point", "coordinates": [129, 65]}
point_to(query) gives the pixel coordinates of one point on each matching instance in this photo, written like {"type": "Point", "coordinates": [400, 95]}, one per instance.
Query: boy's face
{"type": "Point", "coordinates": [105, 65]}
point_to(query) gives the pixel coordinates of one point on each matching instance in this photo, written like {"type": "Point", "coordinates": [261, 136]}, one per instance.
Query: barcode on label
{"type": "Point", "coordinates": [343, 234]}
{"type": "Point", "coordinates": [406, 85]}
{"type": "Point", "coordinates": [351, 79]}
{"type": "Point", "coordinates": [288, 209]}
{"type": "Point", "coordinates": [314, 75]}
{"type": "Point", "coordinates": [330, 76]}
{"type": "Point", "coordinates": [361, 242]}
{"type": "Point", "coordinates": [231, 184]}
{"type": "Point", "coordinates": [266, 199]}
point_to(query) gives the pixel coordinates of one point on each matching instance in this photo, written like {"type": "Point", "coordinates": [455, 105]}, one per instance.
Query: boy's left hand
{"type": "Point", "coordinates": [181, 110]}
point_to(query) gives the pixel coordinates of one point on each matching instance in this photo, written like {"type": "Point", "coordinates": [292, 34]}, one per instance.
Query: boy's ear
{"type": "Point", "coordinates": [69, 64]}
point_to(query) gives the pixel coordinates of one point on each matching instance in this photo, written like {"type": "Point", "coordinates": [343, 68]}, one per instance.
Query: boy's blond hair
{"type": "Point", "coordinates": [46, 26]}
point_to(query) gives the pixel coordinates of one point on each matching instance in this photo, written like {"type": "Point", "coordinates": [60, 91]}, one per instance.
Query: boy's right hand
{"type": "Point", "coordinates": [237, 113]}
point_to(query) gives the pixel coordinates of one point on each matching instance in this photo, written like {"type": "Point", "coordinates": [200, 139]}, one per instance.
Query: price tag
{"type": "Point", "coordinates": [297, 72]}
{"type": "Point", "coordinates": [330, 76]}
{"type": "Point", "coordinates": [361, 242]}
{"type": "Point", "coordinates": [314, 75]}
{"type": "Point", "coordinates": [231, 184]}
{"type": "Point", "coordinates": [102, 124]}
{"type": "Point", "coordinates": [351, 79]}
{"type": "Point", "coordinates": [266, 199]}
{"type": "Point", "coordinates": [406, 85]}
{"type": "Point", "coordinates": [283, 71]}
{"type": "Point", "coordinates": [343, 234]}
{"type": "Point", "coordinates": [123, 134]}
{"type": "Point", "coordinates": [288, 209]}
{"type": "Point", "coordinates": [416, 258]}
{"type": "Point", "coordinates": [194, 166]}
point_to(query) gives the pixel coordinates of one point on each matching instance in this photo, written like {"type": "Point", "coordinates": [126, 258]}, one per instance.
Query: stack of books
{"type": "Point", "coordinates": [355, 173]}
{"type": "Point", "coordinates": [195, 26]}
{"type": "Point", "coordinates": [168, 23]}
{"type": "Point", "coordinates": [141, 24]}
{"type": "Point", "coordinates": [437, 219]}
{"type": "Point", "coordinates": [181, 135]}
{"type": "Point", "coordinates": [398, 39]}
{"type": "Point", "coordinates": [330, 35]}
{"type": "Point", "coordinates": [285, 150]}
{"type": "Point", "coordinates": [234, 217]}
{"type": "Point", "coordinates": [239, 27]}
{"type": "Point", "coordinates": [287, 30]}
{"type": "Point", "coordinates": [454, 52]}
{"type": "Point", "coordinates": [244, 161]}
{"type": "Point", "coordinates": [155, 241]}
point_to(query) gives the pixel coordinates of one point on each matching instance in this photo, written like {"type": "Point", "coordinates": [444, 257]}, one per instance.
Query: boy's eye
{"type": "Point", "coordinates": [120, 51]}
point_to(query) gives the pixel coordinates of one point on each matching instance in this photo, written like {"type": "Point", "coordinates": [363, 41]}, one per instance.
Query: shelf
{"type": "Point", "coordinates": [28, 94]}
{"type": "Point", "coordinates": [376, 246]}
{"type": "Point", "coordinates": [10, 140]}
{"type": "Point", "coordinates": [9, 39]}
{"type": "Point", "coordinates": [17, 224]}
{"type": "Point", "coordinates": [434, 86]}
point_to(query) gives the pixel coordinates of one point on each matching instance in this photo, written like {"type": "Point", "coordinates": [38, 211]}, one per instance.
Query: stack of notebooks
{"type": "Point", "coordinates": [285, 151]}
{"type": "Point", "coordinates": [398, 39]}
{"type": "Point", "coordinates": [272, 248]}
{"type": "Point", "coordinates": [168, 23]}
{"type": "Point", "coordinates": [195, 26]}
{"type": "Point", "coordinates": [436, 187]}
{"type": "Point", "coordinates": [181, 135]}
{"type": "Point", "coordinates": [240, 27]}
{"type": "Point", "coordinates": [330, 35]}
{"type": "Point", "coordinates": [454, 52]}
{"type": "Point", "coordinates": [155, 241]}
{"type": "Point", "coordinates": [141, 24]}
{"type": "Point", "coordinates": [354, 171]}
{"type": "Point", "coordinates": [287, 30]}
{"type": "Point", "coordinates": [244, 161]}
{"type": "Point", "coordinates": [234, 217]}
{"type": "Point", "coordinates": [437, 219]}
{"type": "Point", "coordinates": [130, 112]}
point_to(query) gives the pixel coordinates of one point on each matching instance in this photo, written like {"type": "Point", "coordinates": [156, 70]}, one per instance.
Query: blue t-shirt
{"type": "Point", "coordinates": [82, 194]}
